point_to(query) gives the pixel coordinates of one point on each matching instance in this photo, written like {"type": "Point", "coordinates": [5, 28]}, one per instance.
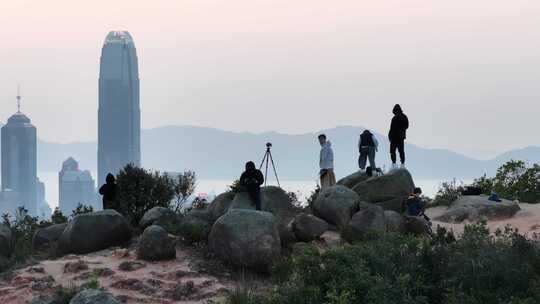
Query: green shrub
{"type": "Point", "coordinates": [447, 193]}
{"type": "Point", "coordinates": [81, 209]}
{"type": "Point", "coordinates": [140, 190]}
{"type": "Point", "coordinates": [478, 268]}
{"type": "Point", "coordinates": [58, 217]}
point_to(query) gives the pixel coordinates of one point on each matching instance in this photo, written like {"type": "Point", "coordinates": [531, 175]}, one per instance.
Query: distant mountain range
{"type": "Point", "coordinates": [218, 154]}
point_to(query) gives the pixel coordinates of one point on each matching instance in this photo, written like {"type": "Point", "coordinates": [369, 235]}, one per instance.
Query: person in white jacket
{"type": "Point", "coordinates": [326, 163]}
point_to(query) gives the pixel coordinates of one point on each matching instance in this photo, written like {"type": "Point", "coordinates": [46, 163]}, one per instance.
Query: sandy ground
{"type": "Point", "coordinates": [174, 281]}
{"type": "Point", "coordinates": [526, 221]}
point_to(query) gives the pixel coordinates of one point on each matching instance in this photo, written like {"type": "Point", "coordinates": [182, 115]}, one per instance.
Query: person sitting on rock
{"type": "Point", "coordinates": [414, 206]}
{"type": "Point", "coordinates": [108, 190]}
{"type": "Point", "coordinates": [367, 146]}
{"type": "Point", "coordinates": [252, 179]}
{"type": "Point", "coordinates": [326, 163]}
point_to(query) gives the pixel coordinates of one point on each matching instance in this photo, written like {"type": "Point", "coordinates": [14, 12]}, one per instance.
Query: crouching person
{"type": "Point", "coordinates": [252, 179]}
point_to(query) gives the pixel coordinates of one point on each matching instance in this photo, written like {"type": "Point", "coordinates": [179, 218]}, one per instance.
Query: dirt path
{"type": "Point", "coordinates": [527, 220]}
{"type": "Point", "coordinates": [118, 271]}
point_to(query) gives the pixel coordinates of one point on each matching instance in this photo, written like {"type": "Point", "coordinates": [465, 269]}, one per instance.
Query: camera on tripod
{"type": "Point", "coordinates": [268, 158]}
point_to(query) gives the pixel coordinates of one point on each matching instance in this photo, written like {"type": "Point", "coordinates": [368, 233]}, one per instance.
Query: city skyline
{"type": "Point", "coordinates": [465, 73]}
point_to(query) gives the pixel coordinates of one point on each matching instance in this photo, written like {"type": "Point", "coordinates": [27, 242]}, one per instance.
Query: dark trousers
{"type": "Point", "coordinates": [255, 195]}
{"type": "Point", "coordinates": [400, 146]}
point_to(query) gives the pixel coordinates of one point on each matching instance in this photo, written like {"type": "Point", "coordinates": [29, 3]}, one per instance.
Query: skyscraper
{"type": "Point", "coordinates": [119, 116]}
{"type": "Point", "coordinates": [19, 161]}
{"type": "Point", "coordinates": [75, 187]}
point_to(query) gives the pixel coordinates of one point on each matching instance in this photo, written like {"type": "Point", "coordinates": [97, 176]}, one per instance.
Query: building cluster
{"type": "Point", "coordinates": [118, 139]}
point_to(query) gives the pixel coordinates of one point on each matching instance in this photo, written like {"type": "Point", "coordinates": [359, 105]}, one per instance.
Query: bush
{"type": "Point", "coordinates": [514, 181]}
{"type": "Point", "coordinates": [140, 190]}
{"type": "Point", "coordinates": [58, 217]}
{"type": "Point", "coordinates": [313, 196]}
{"type": "Point", "coordinates": [447, 193]}
{"type": "Point", "coordinates": [184, 186]}
{"type": "Point", "coordinates": [81, 209]}
{"type": "Point", "coordinates": [477, 268]}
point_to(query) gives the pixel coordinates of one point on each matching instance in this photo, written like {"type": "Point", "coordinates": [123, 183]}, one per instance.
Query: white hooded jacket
{"type": "Point", "coordinates": [326, 160]}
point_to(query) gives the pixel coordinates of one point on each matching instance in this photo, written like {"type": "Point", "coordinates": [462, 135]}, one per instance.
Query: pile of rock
{"type": "Point", "coordinates": [476, 207]}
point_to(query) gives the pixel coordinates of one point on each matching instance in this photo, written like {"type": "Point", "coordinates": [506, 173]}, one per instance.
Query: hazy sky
{"type": "Point", "coordinates": [466, 72]}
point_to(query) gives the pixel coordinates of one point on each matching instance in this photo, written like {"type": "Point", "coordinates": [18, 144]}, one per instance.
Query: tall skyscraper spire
{"type": "Point", "coordinates": [18, 98]}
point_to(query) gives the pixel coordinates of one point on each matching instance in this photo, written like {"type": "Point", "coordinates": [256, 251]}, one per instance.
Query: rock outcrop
{"type": "Point", "coordinates": [44, 237]}
{"type": "Point", "coordinates": [94, 231]}
{"type": "Point", "coordinates": [336, 205]}
{"type": "Point", "coordinates": [220, 205]}
{"type": "Point", "coordinates": [394, 222]}
{"type": "Point", "coordinates": [161, 216]}
{"type": "Point", "coordinates": [354, 179]}
{"type": "Point", "coordinates": [307, 227]}
{"type": "Point", "coordinates": [394, 184]}
{"type": "Point", "coordinates": [156, 245]}
{"type": "Point", "coordinates": [370, 218]}
{"type": "Point", "coordinates": [93, 296]}
{"type": "Point", "coordinates": [246, 238]}
{"type": "Point", "coordinates": [474, 207]}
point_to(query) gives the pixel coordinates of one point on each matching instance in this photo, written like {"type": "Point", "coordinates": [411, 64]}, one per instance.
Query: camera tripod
{"type": "Point", "coordinates": [268, 158]}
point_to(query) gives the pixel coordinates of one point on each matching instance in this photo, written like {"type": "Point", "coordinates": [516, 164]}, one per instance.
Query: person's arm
{"type": "Point", "coordinates": [260, 177]}
{"type": "Point", "coordinates": [406, 122]}
{"type": "Point", "coordinates": [392, 128]}
{"type": "Point", "coordinates": [375, 142]}
{"type": "Point", "coordinates": [243, 179]}
{"type": "Point", "coordinates": [102, 189]}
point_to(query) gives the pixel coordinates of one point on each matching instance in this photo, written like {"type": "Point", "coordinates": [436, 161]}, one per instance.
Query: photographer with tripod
{"type": "Point", "coordinates": [252, 179]}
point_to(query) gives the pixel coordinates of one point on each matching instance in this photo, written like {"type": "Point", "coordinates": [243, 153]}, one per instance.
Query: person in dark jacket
{"type": "Point", "coordinates": [252, 179]}
{"type": "Point", "coordinates": [414, 206]}
{"type": "Point", "coordinates": [108, 190]}
{"type": "Point", "coordinates": [397, 135]}
{"type": "Point", "coordinates": [367, 146]}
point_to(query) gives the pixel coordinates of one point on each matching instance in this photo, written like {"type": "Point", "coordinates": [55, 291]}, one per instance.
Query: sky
{"type": "Point", "coordinates": [465, 72]}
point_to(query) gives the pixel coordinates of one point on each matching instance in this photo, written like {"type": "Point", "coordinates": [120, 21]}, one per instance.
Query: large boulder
{"type": "Point", "coordinates": [44, 237]}
{"type": "Point", "coordinates": [94, 296]}
{"type": "Point", "coordinates": [161, 216]}
{"type": "Point", "coordinates": [336, 205]}
{"type": "Point", "coordinates": [354, 179]}
{"type": "Point", "coordinates": [195, 226]}
{"type": "Point", "coordinates": [5, 241]}
{"type": "Point", "coordinates": [394, 204]}
{"type": "Point", "coordinates": [370, 218]}
{"type": "Point", "coordinates": [397, 183]}
{"type": "Point", "coordinates": [394, 222]}
{"type": "Point", "coordinates": [156, 245]}
{"type": "Point", "coordinates": [246, 238]}
{"type": "Point", "coordinates": [307, 227]}
{"type": "Point", "coordinates": [417, 225]}
{"type": "Point", "coordinates": [276, 201]}
{"type": "Point", "coordinates": [220, 205]}
{"type": "Point", "coordinates": [475, 207]}
{"type": "Point", "coordinates": [94, 231]}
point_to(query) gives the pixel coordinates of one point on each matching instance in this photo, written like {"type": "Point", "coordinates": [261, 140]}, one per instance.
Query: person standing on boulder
{"type": "Point", "coordinates": [397, 135]}
{"type": "Point", "coordinates": [108, 190]}
{"type": "Point", "coordinates": [252, 179]}
{"type": "Point", "coordinates": [326, 163]}
{"type": "Point", "coordinates": [367, 146]}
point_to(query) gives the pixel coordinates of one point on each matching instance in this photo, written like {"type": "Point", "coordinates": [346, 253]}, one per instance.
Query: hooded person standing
{"type": "Point", "coordinates": [326, 163]}
{"type": "Point", "coordinates": [108, 190]}
{"type": "Point", "coordinates": [252, 179]}
{"type": "Point", "coordinates": [367, 146]}
{"type": "Point", "coordinates": [397, 135]}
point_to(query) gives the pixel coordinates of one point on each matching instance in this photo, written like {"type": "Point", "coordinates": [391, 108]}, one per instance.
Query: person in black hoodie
{"type": "Point", "coordinates": [252, 179]}
{"type": "Point", "coordinates": [108, 190]}
{"type": "Point", "coordinates": [397, 135]}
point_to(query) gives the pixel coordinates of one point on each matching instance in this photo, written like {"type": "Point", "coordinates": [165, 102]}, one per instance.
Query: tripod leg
{"type": "Point", "coordinates": [274, 166]}
{"type": "Point", "coordinates": [268, 155]}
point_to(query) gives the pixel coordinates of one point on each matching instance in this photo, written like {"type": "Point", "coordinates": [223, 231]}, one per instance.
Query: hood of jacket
{"type": "Point", "coordinates": [397, 110]}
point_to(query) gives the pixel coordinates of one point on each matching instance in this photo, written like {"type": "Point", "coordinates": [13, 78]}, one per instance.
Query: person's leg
{"type": "Point", "coordinates": [363, 158]}
{"type": "Point", "coordinates": [257, 194]}
{"type": "Point", "coordinates": [401, 148]}
{"type": "Point", "coordinates": [372, 158]}
{"type": "Point", "coordinates": [393, 148]}
{"type": "Point", "coordinates": [331, 178]}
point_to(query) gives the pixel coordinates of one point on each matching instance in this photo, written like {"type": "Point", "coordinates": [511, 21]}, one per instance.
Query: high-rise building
{"type": "Point", "coordinates": [75, 187]}
{"type": "Point", "coordinates": [19, 162]}
{"type": "Point", "coordinates": [119, 116]}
